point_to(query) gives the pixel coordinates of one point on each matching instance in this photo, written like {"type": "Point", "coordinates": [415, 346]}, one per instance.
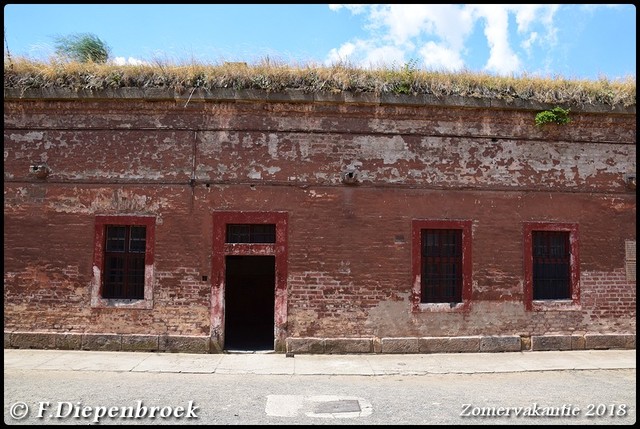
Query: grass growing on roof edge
{"type": "Point", "coordinates": [23, 73]}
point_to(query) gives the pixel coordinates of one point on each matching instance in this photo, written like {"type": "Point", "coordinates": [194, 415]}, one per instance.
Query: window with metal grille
{"type": "Point", "coordinates": [441, 266]}
{"type": "Point", "coordinates": [124, 262]}
{"type": "Point", "coordinates": [251, 233]}
{"type": "Point", "coordinates": [551, 264]}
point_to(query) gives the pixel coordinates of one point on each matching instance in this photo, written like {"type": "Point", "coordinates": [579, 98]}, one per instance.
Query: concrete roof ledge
{"type": "Point", "coordinates": [291, 96]}
{"type": "Point", "coordinates": [361, 98]}
{"type": "Point", "coordinates": [298, 96]}
{"type": "Point", "coordinates": [329, 97]}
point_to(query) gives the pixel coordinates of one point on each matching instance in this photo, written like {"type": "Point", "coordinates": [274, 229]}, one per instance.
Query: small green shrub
{"type": "Point", "coordinates": [82, 47]}
{"type": "Point", "coordinates": [557, 115]}
{"type": "Point", "coordinates": [407, 75]}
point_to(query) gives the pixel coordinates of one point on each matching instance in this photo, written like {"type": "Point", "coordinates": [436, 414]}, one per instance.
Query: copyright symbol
{"type": "Point", "coordinates": [19, 410]}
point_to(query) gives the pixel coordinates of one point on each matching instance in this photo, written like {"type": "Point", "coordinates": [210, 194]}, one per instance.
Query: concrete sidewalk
{"type": "Point", "coordinates": [305, 364]}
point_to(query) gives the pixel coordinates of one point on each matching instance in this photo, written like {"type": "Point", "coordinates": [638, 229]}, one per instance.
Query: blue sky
{"type": "Point", "coordinates": [576, 41]}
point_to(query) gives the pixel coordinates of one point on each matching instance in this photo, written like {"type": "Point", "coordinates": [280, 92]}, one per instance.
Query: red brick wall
{"type": "Point", "coordinates": [349, 246]}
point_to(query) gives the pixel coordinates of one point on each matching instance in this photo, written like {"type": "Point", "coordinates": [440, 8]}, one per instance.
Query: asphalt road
{"type": "Point", "coordinates": [598, 397]}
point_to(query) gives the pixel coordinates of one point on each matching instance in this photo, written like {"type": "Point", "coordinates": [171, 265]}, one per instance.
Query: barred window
{"type": "Point", "coordinates": [551, 265]}
{"type": "Point", "coordinates": [251, 233]}
{"type": "Point", "coordinates": [124, 262]}
{"type": "Point", "coordinates": [441, 265]}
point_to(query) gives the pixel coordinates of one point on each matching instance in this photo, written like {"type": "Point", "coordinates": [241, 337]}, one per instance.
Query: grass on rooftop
{"type": "Point", "coordinates": [23, 73]}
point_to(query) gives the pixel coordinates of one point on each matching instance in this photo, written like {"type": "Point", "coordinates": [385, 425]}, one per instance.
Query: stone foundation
{"type": "Point", "coordinates": [394, 345]}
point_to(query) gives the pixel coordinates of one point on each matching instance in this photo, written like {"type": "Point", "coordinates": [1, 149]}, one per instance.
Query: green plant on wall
{"type": "Point", "coordinates": [557, 115]}
{"type": "Point", "coordinates": [406, 77]}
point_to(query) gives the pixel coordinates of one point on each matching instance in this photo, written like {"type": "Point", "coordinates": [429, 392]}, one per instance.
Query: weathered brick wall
{"type": "Point", "coordinates": [349, 247]}
{"type": "Point", "coordinates": [607, 297]}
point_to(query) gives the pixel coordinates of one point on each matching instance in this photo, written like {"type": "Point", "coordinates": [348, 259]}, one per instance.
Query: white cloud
{"type": "Point", "coordinates": [121, 61]}
{"type": "Point", "coordinates": [439, 34]}
{"type": "Point", "coordinates": [502, 60]}
{"type": "Point", "coordinates": [531, 14]}
{"type": "Point", "coordinates": [364, 53]}
{"type": "Point", "coordinates": [527, 44]}
{"type": "Point", "coordinates": [384, 56]}
{"type": "Point", "coordinates": [439, 57]}
{"type": "Point", "coordinates": [354, 8]}
{"type": "Point", "coordinates": [341, 54]}
{"type": "Point", "coordinates": [402, 21]}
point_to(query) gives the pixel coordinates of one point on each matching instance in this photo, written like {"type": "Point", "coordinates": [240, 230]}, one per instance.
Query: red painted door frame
{"type": "Point", "coordinates": [218, 267]}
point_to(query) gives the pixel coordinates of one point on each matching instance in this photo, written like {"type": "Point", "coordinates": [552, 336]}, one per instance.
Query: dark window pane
{"type": "Point", "coordinates": [251, 233]}
{"type": "Point", "coordinates": [113, 276]}
{"type": "Point", "coordinates": [124, 265]}
{"type": "Point", "coordinates": [135, 279]}
{"type": "Point", "coordinates": [138, 239]}
{"type": "Point", "coordinates": [551, 265]}
{"type": "Point", "coordinates": [441, 265]}
{"type": "Point", "coordinates": [115, 238]}
{"type": "Point", "coordinates": [238, 233]}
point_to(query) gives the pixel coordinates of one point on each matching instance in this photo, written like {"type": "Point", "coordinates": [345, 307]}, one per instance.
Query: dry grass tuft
{"type": "Point", "coordinates": [272, 76]}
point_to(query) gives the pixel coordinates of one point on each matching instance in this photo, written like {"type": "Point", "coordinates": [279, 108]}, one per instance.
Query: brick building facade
{"type": "Point", "coordinates": [321, 223]}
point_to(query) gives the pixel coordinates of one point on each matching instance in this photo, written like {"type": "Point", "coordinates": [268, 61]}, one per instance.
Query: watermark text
{"type": "Point", "coordinates": [78, 410]}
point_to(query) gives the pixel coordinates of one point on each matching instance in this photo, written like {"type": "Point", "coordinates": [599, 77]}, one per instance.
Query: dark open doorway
{"type": "Point", "coordinates": [249, 303]}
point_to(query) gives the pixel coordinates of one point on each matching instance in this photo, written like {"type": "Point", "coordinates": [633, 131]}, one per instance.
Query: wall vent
{"type": "Point", "coordinates": [630, 259]}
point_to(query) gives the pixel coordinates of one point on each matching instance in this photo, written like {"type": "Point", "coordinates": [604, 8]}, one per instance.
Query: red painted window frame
{"type": "Point", "coordinates": [221, 249]}
{"type": "Point", "coordinates": [574, 241]}
{"type": "Point", "coordinates": [98, 260]}
{"type": "Point", "coordinates": [417, 226]}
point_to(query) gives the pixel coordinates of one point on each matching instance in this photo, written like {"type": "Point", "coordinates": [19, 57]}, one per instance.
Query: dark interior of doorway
{"type": "Point", "coordinates": [249, 303]}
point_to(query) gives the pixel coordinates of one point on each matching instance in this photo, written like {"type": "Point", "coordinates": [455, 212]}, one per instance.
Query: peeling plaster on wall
{"type": "Point", "coordinates": [390, 318]}
{"type": "Point", "coordinates": [344, 267]}
{"type": "Point", "coordinates": [303, 146]}
{"type": "Point", "coordinates": [620, 205]}
{"type": "Point", "coordinates": [59, 143]}
{"type": "Point", "coordinates": [499, 163]}
{"type": "Point", "coordinates": [29, 137]}
{"type": "Point", "coordinates": [433, 160]}
{"type": "Point", "coordinates": [389, 149]}
{"type": "Point", "coordinates": [257, 170]}
{"type": "Point", "coordinates": [314, 194]}
{"type": "Point", "coordinates": [118, 201]}
{"type": "Point", "coordinates": [354, 165]}
{"type": "Point", "coordinates": [322, 177]}
{"type": "Point", "coordinates": [167, 146]}
{"type": "Point", "coordinates": [95, 286]}
{"type": "Point", "coordinates": [213, 142]}
{"type": "Point", "coordinates": [292, 147]}
{"type": "Point", "coordinates": [303, 320]}
{"type": "Point", "coordinates": [253, 174]}
{"type": "Point", "coordinates": [273, 145]}
{"type": "Point", "coordinates": [142, 173]}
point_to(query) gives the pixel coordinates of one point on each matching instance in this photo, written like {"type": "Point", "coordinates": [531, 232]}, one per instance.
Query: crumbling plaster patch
{"type": "Point", "coordinates": [389, 149]}
{"type": "Point", "coordinates": [109, 201]}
